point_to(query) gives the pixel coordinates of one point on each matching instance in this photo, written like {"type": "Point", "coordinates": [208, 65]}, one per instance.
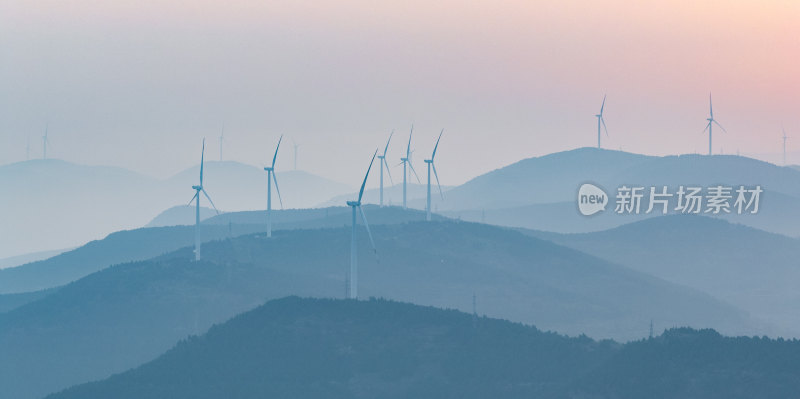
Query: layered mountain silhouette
{"type": "Point", "coordinates": [58, 204]}
{"type": "Point", "coordinates": [312, 348]}
{"type": "Point", "coordinates": [125, 315]}
{"type": "Point", "coordinates": [750, 268]}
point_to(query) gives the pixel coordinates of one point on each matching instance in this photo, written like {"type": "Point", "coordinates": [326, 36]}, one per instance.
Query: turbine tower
{"type": "Point", "coordinates": [711, 122]}
{"type": "Point", "coordinates": [356, 206]}
{"type": "Point", "coordinates": [270, 177]}
{"type": "Point", "coordinates": [382, 161]}
{"type": "Point", "coordinates": [406, 162]}
{"type": "Point", "coordinates": [198, 189]}
{"type": "Point", "coordinates": [601, 121]}
{"type": "Point", "coordinates": [45, 141]}
{"type": "Point", "coordinates": [431, 165]}
{"type": "Point", "coordinates": [784, 145]}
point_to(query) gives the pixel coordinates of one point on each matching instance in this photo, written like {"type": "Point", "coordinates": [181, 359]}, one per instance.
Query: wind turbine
{"type": "Point", "coordinates": [356, 206]}
{"type": "Point", "coordinates": [198, 189]}
{"type": "Point", "coordinates": [45, 141]}
{"type": "Point", "coordinates": [406, 162]}
{"type": "Point", "coordinates": [431, 165]}
{"type": "Point", "coordinates": [221, 139]}
{"type": "Point", "coordinates": [784, 145]}
{"type": "Point", "coordinates": [270, 177]}
{"type": "Point", "coordinates": [382, 161]}
{"type": "Point", "coordinates": [711, 122]}
{"type": "Point", "coordinates": [295, 153]}
{"type": "Point", "coordinates": [600, 121]}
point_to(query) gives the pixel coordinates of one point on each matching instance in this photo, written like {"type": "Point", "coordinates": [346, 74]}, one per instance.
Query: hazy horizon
{"type": "Point", "coordinates": [138, 84]}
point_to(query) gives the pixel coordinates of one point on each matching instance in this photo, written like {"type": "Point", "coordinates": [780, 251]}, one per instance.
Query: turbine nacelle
{"type": "Point", "coordinates": [353, 203]}
{"type": "Point", "coordinates": [198, 188]}
{"type": "Point", "coordinates": [269, 169]}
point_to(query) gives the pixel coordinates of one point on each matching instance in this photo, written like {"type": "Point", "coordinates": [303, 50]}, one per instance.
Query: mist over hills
{"type": "Point", "coordinates": [181, 215]}
{"type": "Point", "coordinates": [749, 268]}
{"type": "Point", "coordinates": [130, 313]}
{"type": "Point", "coordinates": [540, 193]}
{"type": "Point", "coordinates": [146, 243]}
{"type": "Point", "coordinates": [312, 348]}
{"type": "Point", "coordinates": [58, 204]}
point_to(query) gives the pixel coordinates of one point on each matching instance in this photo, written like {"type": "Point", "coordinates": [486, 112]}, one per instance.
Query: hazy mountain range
{"type": "Point", "coordinates": [56, 204]}
{"type": "Point", "coordinates": [125, 315]}
{"type": "Point", "coordinates": [308, 348]}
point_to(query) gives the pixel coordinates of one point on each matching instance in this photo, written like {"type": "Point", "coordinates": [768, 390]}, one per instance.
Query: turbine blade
{"type": "Point", "coordinates": [604, 125]}
{"type": "Point", "coordinates": [387, 143]}
{"type": "Point", "coordinates": [202, 157]}
{"type": "Point", "coordinates": [603, 105]}
{"type": "Point", "coordinates": [408, 148]}
{"type": "Point", "coordinates": [437, 145]}
{"type": "Point", "coordinates": [415, 172]}
{"type": "Point", "coordinates": [274, 157]}
{"type": "Point", "coordinates": [720, 126]}
{"type": "Point", "coordinates": [275, 179]}
{"type": "Point", "coordinates": [209, 200]}
{"type": "Point", "coordinates": [385, 162]}
{"type": "Point", "coordinates": [433, 165]}
{"type": "Point", "coordinates": [707, 126]}
{"type": "Point", "coordinates": [710, 106]}
{"type": "Point", "coordinates": [369, 233]}
{"type": "Point", "coordinates": [361, 192]}
{"type": "Point", "coordinates": [193, 198]}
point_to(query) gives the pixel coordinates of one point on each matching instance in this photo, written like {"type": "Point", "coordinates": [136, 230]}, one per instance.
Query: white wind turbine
{"type": "Point", "coordinates": [221, 139]}
{"type": "Point", "coordinates": [600, 121]}
{"type": "Point", "coordinates": [711, 122]}
{"type": "Point", "coordinates": [382, 160]}
{"type": "Point", "coordinates": [270, 177]}
{"type": "Point", "coordinates": [45, 141]}
{"type": "Point", "coordinates": [406, 162]}
{"type": "Point", "coordinates": [784, 145]}
{"type": "Point", "coordinates": [431, 165]}
{"type": "Point", "coordinates": [356, 207]}
{"type": "Point", "coordinates": [198, 189]}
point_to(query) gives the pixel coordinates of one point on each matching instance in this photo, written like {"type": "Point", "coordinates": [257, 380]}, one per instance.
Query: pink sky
{"type": "Point", "coordinates": [507, 80]}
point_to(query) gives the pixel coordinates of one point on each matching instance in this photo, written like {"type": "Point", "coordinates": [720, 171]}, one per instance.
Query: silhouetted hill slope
{"type": "Point", "coordinates": [550, 178]}
{"type": "Point", "coordinates": [540, 193]}
{"type": "Point", "coordinates": [181, 215]}
{"type": "Point", "coordinates": [311, 348]}
{"type": "Point", "coordinates": [10, 302]}
{"type": "Point", "coordinates": [141, 244]}
{"type": "Point", "coordinates": [119, 247]}
{"type": "Point", "coordinates": [752, 269]}
{"type": "Point", "coordinates": [58, 204]}
{"type": "Point", "coordinates": [119, 317]}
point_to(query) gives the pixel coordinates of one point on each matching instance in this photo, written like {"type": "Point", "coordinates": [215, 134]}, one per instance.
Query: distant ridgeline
{"type": "Point", "coordinates": [312, 348]}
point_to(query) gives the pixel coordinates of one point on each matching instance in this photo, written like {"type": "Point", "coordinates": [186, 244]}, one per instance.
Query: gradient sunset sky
{"type": "Point", "coordinates": [137, 84]}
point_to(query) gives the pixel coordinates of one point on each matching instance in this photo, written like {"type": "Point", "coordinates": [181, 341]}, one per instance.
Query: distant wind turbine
{"type": "Point", "coordinates": [356, 206]}
{"type": "Point", "coordinates": [784, 145]}
{"type": "Point", "coordinates": [270, 177]}
{"type": "Point", "coordinates": [296, 146]}
{"type": "Point", "coordinates": [45, 141]}
{"type": "Point", "coordinates": [601, 121]}
{"type": "Point", "coordinates": [198, 189]}
{"type": "Point", "coordinates": [711, 122]}
{"type": "Point", "coordinates": [432, 165]}
{"type": "Point", "coordinates": [382, 161]}
{"type": "Point", "coordinates": [221, 139]}
{"type": "Point", "coordinates": [406, 162]}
